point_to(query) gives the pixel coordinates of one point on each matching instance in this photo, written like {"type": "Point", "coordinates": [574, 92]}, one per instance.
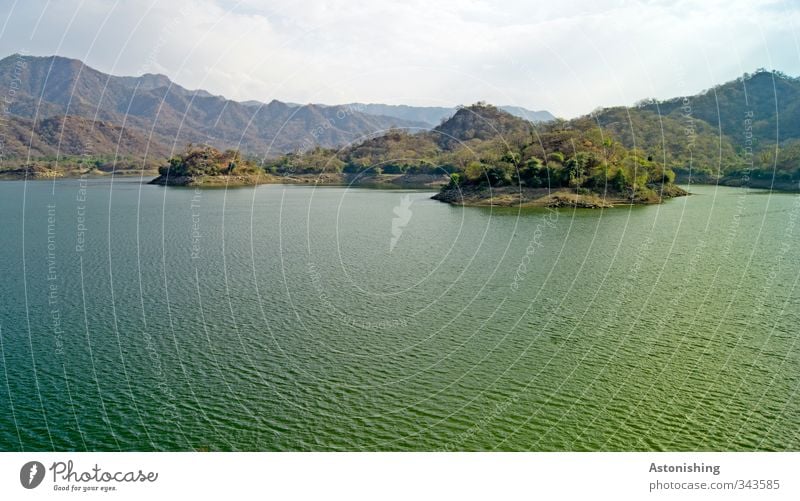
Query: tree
{"type": "Point", "coordinates": [474, 172]}
{"type": "Point", "coordinates": [620, 181]}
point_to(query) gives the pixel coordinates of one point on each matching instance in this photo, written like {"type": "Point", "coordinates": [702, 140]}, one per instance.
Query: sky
{"type": "Point", "coordinates": [567, 56]}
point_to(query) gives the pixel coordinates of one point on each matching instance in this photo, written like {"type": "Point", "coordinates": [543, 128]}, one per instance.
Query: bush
{"type": "Point", "coordinates": [205, 161]}
{"type": "Point", "coordinates": [455, 180]}
{"type": "Point", "coordinates": [620, 181]}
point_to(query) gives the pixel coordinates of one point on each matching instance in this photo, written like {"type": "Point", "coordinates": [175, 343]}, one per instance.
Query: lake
{"type": "Point", "coordinates": [139, 317]}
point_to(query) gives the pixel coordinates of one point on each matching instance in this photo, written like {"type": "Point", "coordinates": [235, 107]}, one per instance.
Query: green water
{"type": "Point", "coordinates": [281, 318]}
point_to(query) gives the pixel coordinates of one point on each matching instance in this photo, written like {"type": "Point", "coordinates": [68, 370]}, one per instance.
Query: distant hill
{"type": "Point", "coordinates": [152, 104]}
{"type": "Point", "coordinates": [770, 99]}
{"type": "Point", "coordinates": [751, 123]}
{"type": "Point", "coordinates": [744, 132]}
{"type": "Point", "coordinates": [71, 136]}
{"type": "Point", "coordinates": [486, 156]}
{"type": "Point", "coordinates": [166, 116]}
{"type": "Point", "coordinates": [479, 130]}
{"type": "Point", "coordinates": [530, 115]}
{"type": "Point", "coordinates": [61, 107]}
{"type": "Point", "coordinates": [480, 122]}
{"type": "Point", "coordinates": [682, 145]}
{"type": "Point", "coordinates": [434, 115]}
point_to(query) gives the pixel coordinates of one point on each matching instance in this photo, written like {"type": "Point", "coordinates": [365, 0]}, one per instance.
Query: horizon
{"type": "Point", "coordinates": [454, 106]}
{"type": "Point", "coordinates": [370, 52]}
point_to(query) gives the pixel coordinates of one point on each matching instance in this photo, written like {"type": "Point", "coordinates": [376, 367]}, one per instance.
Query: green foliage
{"type": "Point", "coordinates": [206, 161]}
{"type": "Point", "coordinates": [620, 181]}
{"type": "Point", "coordinates": [313, 161]}
{"type": "Point", "coordinates": [487, 146]}
{"type": "Point", "coordinates": [474, 172]}
{"type": "Point", "coordinates": [783, 161]}
{"type": "Point", "coordinates": [455, 180]}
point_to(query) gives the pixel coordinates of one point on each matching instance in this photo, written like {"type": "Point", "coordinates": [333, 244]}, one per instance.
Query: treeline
{"type": "Point", "coordinates": [79, 163]}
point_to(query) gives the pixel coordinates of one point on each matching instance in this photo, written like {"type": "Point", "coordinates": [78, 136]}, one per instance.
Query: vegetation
{"type": "Point", "coordinates": [198, 165]}
{"type": "Point", "coordinates": [717, 136]}
{"type": "Point", "coordinates": [743, 132]}
{"type": "Point", "coordinates": [74, 166]}
{"type": "Point", "coordinates": [767, 98]}
{"type": "Point", "coordinates": [482, 146]}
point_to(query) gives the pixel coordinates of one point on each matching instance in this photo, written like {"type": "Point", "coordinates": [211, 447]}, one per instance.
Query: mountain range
{"type": "Point", "coordinates": [743, 132]}
{"type": "Point", "coordinates": [54, 106]}
{"type": "Point", "coordinates": [435, 115]}
{"type": "Point", "coordinates": [57, 100]}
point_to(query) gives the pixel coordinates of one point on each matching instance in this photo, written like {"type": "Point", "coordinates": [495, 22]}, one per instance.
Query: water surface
{"type": "Point", "coordinates": [283, 318]}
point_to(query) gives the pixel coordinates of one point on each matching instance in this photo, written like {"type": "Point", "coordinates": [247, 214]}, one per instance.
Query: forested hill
{"type": "Point", "coordinates": [480, 122]}
{"type": "Point", "coordinates": [770, 99]}
{"type": "Point", "coordinates": [746, 131]}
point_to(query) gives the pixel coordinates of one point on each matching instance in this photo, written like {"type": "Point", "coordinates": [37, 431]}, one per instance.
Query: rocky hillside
{"type": "Point", "coordinates": [53, 86]}
{"type": "Point", "coordinates": [480, 122]}
{"type": "Point", "coordinates": [73, 136]}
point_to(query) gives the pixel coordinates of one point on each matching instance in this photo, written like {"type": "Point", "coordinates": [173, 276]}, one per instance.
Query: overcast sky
{"type": "Point", "coordinates": [565, 56]}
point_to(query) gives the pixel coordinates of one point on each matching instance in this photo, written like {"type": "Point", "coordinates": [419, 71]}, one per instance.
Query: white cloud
{"type": "Point", "coordinates": [568, 57]}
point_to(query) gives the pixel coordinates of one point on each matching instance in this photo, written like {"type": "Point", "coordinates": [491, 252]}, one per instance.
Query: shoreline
{"type": "Point", "coordinates": [782, 186]}
{"type": "Point", "coordinates": [504, 196]}
{"type": "Point", "coordinates": [49, 175]}
{"type": "Point", "coordinates": [523, 197]}
{"type": "Point", "coordinates": [377, 181]}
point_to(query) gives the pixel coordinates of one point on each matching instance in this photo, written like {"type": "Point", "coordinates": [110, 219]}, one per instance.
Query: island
{"type": "Point", "coordinates": [483, 155]}
{"type": "Point", "coordinates": [208, 166]}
